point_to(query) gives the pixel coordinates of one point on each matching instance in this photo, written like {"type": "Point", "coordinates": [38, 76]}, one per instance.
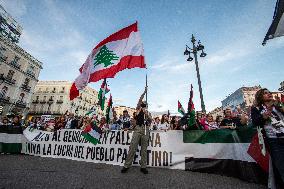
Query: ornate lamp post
{"type": "Point", "coordinates": [194, 50]}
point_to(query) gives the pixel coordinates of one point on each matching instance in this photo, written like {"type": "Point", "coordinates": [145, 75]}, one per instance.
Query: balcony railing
{"type": "Point", "coordinates": [26, 88]}
{"type": "Point", "coordinates": [9, 80]}
{"type": "Point", "coordinates": [59, 101]}
{"type": "Point", "coordinates": [5, 99]}
{"type": "Point", "coordinates": [61, 91]}
{"type": "Point", "coordinates": [31, 74]}
{"type": "Point", "coordinates": [3, 58]}
{"type": "Point", "coordinates": [15, 65]}
{"type": "Point", "coordinates": [21, 104]}
{"type": "Point", "coordinates": [42, 101]}
{"type": "Point", "coordinates": [50, 101]}
{"type": "Point", "coordinates": [35, 101]}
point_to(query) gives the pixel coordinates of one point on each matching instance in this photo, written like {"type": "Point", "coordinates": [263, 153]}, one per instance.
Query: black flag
{"type": "Point", "coordinates": [277, 27]}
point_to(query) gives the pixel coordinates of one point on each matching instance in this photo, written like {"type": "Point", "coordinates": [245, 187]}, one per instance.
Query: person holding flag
{"type": "Point", "coordinates": [269, 118]}
{"type": "Point", "coordinates": [141, 133]}
{"type": "Point", "coordinates": [191, 122]}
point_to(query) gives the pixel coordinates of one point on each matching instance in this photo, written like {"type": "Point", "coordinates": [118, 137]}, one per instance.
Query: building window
{"type": "Point", "coordinates": [21, 98]}
{"type": "Point", "coordinates": [16, 59]}
{"type": "Point", "coordinates": [3, 92]}
{"type": "Point", "coordinates": [14, 62]}
{"type": "Point", "coordinates": [2, 52]}
{"type": "Point", "coordinates": [31, 70]}
{"type": "Point", "coordinates": [54, 90]}
{"type": "Point", "coordinates": [26, 82]}
{"type": "Point", "coordinates": [37, 97]}
{"type": "Point", "coordinates": [10, 74]}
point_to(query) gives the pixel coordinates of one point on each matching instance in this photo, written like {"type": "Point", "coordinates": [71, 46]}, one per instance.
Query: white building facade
{"type": "Point", "coordinates": [19, 72]}
{"type": "Point", "coordinates": [52, 98]}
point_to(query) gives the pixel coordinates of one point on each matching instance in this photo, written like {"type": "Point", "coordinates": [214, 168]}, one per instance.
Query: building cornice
{"type": "Point", "coordinates": [21, 51]}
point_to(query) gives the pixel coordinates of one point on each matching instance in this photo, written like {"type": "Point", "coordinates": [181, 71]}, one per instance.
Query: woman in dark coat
{"type": "Point", "coordinates": [270, 116]}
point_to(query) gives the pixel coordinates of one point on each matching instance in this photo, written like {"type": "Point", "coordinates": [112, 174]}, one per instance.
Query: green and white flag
{"type": "Point", "coordinates": [101, 96]}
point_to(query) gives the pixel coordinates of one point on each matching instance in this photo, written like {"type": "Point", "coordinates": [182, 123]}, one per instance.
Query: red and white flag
{"type": "Point", "coordinates": [121, 50]}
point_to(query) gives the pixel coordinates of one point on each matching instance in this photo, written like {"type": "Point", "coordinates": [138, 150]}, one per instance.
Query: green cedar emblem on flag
{"type": "Point", "coordinates": [105, 56]}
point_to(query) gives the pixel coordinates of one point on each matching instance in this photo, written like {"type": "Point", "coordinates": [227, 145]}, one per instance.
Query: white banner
{"type": "Point", "coordinates": [166, 149]}
{"type": "Point", "coordinates": [70, 144]}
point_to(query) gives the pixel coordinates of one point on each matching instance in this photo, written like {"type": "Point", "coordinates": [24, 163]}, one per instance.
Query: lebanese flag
{"type": "Point", "coordinates": [121, 50]}
{"type": "Point", "coordinates": [180, 108]}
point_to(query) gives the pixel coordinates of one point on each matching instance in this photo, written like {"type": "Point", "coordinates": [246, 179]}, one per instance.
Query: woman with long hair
{"type": "Point", "coordinates": [165, 123]}
{"type": "Point", "coordinates": [270, 117]}
{"type": "Point", "coordinates": [175, 123]}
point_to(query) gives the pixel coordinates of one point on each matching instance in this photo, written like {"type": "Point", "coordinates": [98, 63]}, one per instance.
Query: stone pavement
{"type": "Point", "coordinates": [23, 171]}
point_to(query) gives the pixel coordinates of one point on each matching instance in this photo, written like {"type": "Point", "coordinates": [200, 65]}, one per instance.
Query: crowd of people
{"type": "Point", "coordinates": [126, 122]}
{"type": "Point", "coordinates": [230, 120]}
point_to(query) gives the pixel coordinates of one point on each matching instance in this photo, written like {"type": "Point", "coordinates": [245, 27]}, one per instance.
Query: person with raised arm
{"type": "Point", "coordinates": [141, 133]}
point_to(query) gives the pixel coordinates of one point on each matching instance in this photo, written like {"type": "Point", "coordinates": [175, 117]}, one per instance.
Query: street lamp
{"type": "Point", "coordinates": [194, 51]}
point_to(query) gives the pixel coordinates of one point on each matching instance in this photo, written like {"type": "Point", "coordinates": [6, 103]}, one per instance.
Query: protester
{"type": "Point", "coordinates": [231, 122]}
{"type": "Point", "coordinates": [141, 134]}
{"type": "Point", "coordinates": [5, 121]}
{"type": "Point", "coordinates": [50, 125]}
{"type": "Point", "coordinates": [60, 123]}
{"type": "Point", "coordinates": [174, 124]}
{"type": "Point", "coordinates": [165, 124]}
{"type": "Point", "coordinates": [124, 120]}
{"type": "Point", "coordinates": [16, 121]}
{"type": "Point", "coordinates": [209, 123]}
{"type": "Point", "coordinates": [103, 124]}
{"type": "Point", "coordinates": [155, 123]}
{"type": "Point", "coordinates": [270, 116]}
{"type": "Point", "coordinates": [72, 122]}
{"type": "Point", "coordinates": [218, 120]}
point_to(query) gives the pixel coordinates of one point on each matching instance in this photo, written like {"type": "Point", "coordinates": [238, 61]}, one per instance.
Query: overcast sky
{"type": "Point", "coordinates": [62, 33]}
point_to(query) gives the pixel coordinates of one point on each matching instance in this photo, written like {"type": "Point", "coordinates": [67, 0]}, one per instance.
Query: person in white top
{"type": "Point", "coordinates": [165, 123]}
{"type": "Point", "coordinates": [155, 123]}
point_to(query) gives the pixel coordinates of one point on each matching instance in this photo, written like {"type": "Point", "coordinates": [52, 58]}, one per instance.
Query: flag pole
{"type": "Point", "coordinates": [146, 91]}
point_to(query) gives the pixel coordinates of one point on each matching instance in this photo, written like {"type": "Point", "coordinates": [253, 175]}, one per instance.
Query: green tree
{"type": "Point", "coordinates": [105, 56]}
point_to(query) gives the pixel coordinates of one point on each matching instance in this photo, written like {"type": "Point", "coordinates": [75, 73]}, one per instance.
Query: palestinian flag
{"type": "Point", "coordinates": [11, 138]}
{"type": "Point", "coordinates": [258, 151]}
{"type": "Point", "coordinates": [91, 111]}
{"type": "Point", "coordinates": [109, 113]}
{"type": "Point", "coordinates": [191, 111]}
{"type": "Point", "coordinates": [121, 50]}
{"type": "Point", "coordinates": [276, 29]}
{"type": "Point", "coordinates": [101, 96]}
{"type": "Point", "coordinates": [180, 108]}
{"type": "Point", "coordinates": [224, 152]}
{"type": "Point", "coordinates": [92, 134]}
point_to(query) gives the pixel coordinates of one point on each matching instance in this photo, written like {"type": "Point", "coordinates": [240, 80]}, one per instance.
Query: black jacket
{"type": "Point", "coordinates": [256, 116]}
